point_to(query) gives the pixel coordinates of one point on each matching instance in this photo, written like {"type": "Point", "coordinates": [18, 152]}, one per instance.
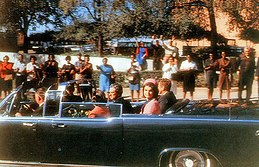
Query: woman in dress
{"type": "Point", "coordinates": [210, 70]}
{"type": "Point", "coordinates": [86, 71]}
{"type": "Point", "coordinates": [105, 76]}
{"type": "Point", "coordinates": [141, 54]}
{"type": "Point", "coordinates": [151, 94]}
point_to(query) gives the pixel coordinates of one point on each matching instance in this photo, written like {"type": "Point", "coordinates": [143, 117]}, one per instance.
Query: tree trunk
{"type": "Point", "coordinates": [213, 26]}
{"type": "Point", "coordinates": [100, 35]}
{"type": "Point", "coordinates": [24, 30]}
{"type": "Point", "coordinates": [100, 44]}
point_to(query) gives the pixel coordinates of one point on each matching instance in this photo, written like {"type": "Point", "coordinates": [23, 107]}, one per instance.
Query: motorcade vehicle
{"type": "Point", "coordinates": [190, 134]}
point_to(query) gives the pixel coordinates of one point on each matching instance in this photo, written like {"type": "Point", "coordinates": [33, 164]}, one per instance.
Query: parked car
{"type": "Point", "coordinates": [186, 136]}
{"type": "Point", "coordinates": [89, 48]}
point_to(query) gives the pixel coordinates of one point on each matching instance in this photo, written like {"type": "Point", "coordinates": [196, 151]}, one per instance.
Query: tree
{"type": "Point", "coordinates": [243, 15]}
{"type": "Point", "coordinates": [92, 12]}
{"type": "Point", "coordinates": [151, 17]}
{"type": "Point", "coordinates": [19, 15]}
{"type": "Point", "coordinates": [200, 12]}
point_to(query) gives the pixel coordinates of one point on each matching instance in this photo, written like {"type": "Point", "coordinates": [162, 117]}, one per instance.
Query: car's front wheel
{"type": "Point", "coordinates": [188, 158]}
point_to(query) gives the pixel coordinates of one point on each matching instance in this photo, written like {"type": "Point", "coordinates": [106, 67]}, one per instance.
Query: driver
{"type": "Point", "coordinates": [35, 108]}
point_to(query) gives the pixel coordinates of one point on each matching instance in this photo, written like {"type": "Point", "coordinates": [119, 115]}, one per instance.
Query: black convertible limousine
{"type": "Point", "coordinates": [187, 136]}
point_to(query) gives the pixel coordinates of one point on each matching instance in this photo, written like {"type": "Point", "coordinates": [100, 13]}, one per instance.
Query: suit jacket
{"type": "Point", "coordinates": [73, 98]}
{"type": "Point", "coordinates": [126, 106]}
{"type": "Point", "coordinates": [247, 65]}
{"type": "Point", "coordinates": [166, 101]}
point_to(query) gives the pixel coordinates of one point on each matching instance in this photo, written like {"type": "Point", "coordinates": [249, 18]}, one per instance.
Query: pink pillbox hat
{"type": "Point", "coordinates": [152, 80]}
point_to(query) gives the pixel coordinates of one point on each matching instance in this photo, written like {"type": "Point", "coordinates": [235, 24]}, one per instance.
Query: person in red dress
{"type": "Point", "coordinates": [6, 70]}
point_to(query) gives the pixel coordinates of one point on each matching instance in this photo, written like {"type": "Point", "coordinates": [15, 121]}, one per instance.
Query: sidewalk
{"type": "Point", "coordinates": [201, 93]}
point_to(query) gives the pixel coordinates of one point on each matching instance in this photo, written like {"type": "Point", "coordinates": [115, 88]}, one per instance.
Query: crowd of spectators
{"type": "Point", "coordinates": [33, 75]}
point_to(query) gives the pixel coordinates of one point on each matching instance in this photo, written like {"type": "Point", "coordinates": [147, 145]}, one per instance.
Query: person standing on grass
{"type": "Point", "coordinates": [68, 70]}
{"type": "Point", "coordinates": [257, 76]}
{"type": "Point", "coordinates": [51, 71]}
{"type": "Point", "coordinates": [6, 69]}
{"type": "Point", "coordinates": [19, 69]}
{"type": "Point", "coordinates": [141, 54]}
{"type": "Point", "coordinates": [169, 69]}
{"type": "Point", "coordinates": [86, 71]}
{"type": "Point", "coordinates": [188, 67]}
{"type": "Point", "coordinates": [134, 81]}
{"type": "Point", "coordinates": [158, 53]}
{"type": "Point", "coordinates": [224, 82]}
{"type": "Point", "coordinates": [106, 72]}
{"type": "Point", "coordinates": [210, 73]}
{"type": "Point", "coordinates": [246, 62]}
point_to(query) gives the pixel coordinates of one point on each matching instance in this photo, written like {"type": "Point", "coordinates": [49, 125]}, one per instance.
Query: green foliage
{"type": "Point", "coordinates": [143, 18]}
{"type": "Point", "coordinates": [250, 34]}
{"type": "Point", "coordinates": [243, 16]}
{"type": "Point", "coordinates": [79, 31]}
{"type": "Point", "coordinates": [20, 14]}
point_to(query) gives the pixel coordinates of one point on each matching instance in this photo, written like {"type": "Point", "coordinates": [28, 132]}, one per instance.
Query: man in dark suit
{"type": "Point", "coordinates": [115, 96]}
{"type": "Point", "coordinates": [167, 97]}
{"type": "Point", "coordinates": [69, 96]}
{"type": "Point", "coordinates": [246, 63]}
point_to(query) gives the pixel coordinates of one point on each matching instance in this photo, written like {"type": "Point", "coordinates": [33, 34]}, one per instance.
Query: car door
{"type": "Point", "coordinates": [82, 140]}
{"type": "Point", "coordinates": [18, 135]}
{"type": "Point", "coordinates": [19, 139]}
{"type": "Point", "coordinates": [235, 141]}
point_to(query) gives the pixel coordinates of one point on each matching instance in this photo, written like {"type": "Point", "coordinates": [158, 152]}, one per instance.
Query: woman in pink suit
{"type": "Point", "coordinates": [151, 93]}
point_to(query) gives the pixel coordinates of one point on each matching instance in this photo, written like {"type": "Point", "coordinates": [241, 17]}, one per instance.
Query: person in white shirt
{"type": "Point", "coordinates": [19, 68]}
{"type": "Point", "coordinates": [32, 69]}
{"type": "Point", "coordinates": [169, 69]}
{"type": "Point", "coordinates": [188, 67]}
